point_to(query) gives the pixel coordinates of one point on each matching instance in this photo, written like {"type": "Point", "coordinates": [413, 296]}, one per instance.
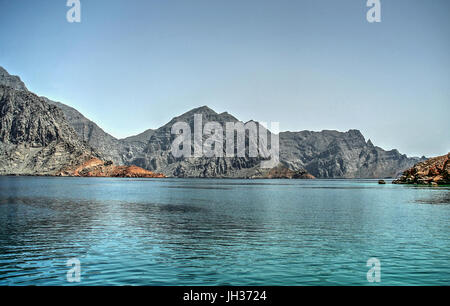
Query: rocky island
{"type": "Point", "coordinates": [98, 168]}
{"type": "Point", "coordinates": [435, 171]}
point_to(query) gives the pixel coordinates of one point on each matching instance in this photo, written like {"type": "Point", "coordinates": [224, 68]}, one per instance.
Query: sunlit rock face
{"type": "Point", "coordinates": [98, 168]}
{"type": "Point", "coordinates": [333, 154]}
{"type": "Point", "coordinates": [435, 171]}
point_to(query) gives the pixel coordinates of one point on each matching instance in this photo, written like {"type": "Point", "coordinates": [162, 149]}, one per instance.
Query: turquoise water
{"type": "Point", "coordinates": [221, 232]}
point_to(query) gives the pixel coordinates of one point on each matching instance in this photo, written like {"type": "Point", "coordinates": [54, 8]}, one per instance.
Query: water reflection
{"type": "Point", "coordinates": [437, 198]}
{"type": "Point", "coordinates": [226, 232]}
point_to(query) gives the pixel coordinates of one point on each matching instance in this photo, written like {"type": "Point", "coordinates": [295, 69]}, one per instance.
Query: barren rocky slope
{"type": "Point", "coordinates": [36, 139]}
{"type": "Point", "coordinates": [120, 151]}
{"type": "Point", "coordinates": [326, 154]}
{"type": "Point", "coordinates": [434, 171]}
{"type": "Point", "coordinates": [12, 81]}
{"type": "Point", "coordinates": [108, 146]}
{"type": "Point", "coordinates": [34, 136]}
{"type": "Point", "coordinates": [111, 148]}
{"type": "Point", "coordinates": [333, 154]}
{"type": "Point", "coordinates": [157, 154]}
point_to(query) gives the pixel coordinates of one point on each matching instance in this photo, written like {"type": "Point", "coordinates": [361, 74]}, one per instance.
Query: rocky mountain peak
{"type": "Point", "coordinates": [356, 133]}
{"type": "Point", "coordinates": [11, 80]}
{"type": "Point", "coordinates": [207, 113]}
{"type": "Point", "coordinates": [357, 136]}
{"type": "Point", "coordinates": [203, 109]}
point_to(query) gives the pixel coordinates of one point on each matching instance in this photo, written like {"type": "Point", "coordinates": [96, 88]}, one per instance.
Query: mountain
{"type": "Point", "coordinates": [119, 151]}
{"type": "Point", "coordinates": [434, 171]}
{"type": "Point", "coordinates": [157, 154]}
{"type": "Point", "coordinates": [333, 154]}
{"type": "Point", "coordinates": [109, 147]}
{"type": "Point", "coordinates": [143, 137]}
{"type": "Point", "coordinates": [11, 80]}
{"type": "Point", "coordinates": [35, 139]}
{"type": "Point", "coordinates": [134, 146]}
{"type": "Point", "coordinates": [326, 154]}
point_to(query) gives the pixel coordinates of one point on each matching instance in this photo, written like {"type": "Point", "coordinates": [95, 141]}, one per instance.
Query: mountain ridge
{"type": "Point", "coordinates": [324, 154]}
{"type": "Point", "coordinates": [12, 81]}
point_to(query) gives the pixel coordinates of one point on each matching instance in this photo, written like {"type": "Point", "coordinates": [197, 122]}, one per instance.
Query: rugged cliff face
{"type": "Point", "coordinates": [435, 171]}
{"type": "Point", "coordinates": [11, 80]}
{"type": "Point", "coordinates": [35, 139]}
{"type": "Point", "coordinates": [333, 154]}
{"type": "Point", "coordinates": [120, 151]}
{"type": "Point", "coordinates": [108, 146]}
{"type": "Point", "coordinates": [157, 154]}
{"type": "Point", "coordinates": [326, 154]}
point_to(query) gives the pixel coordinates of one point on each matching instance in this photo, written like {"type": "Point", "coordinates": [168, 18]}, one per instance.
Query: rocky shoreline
{"type": "Point", "coordinates": [434, 171]}
{"type": "Point", "coordinates": [98, 168]}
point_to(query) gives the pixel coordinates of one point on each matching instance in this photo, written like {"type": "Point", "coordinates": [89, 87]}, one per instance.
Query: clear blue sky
{"type": "Point", "coordinates": [309, 64]}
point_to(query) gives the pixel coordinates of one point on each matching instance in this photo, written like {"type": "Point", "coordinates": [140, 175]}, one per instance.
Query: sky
{"type": "Point", "coordinates": [131, 65]}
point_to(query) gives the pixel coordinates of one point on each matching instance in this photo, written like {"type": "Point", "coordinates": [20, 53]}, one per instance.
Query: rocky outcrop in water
{"type": "Point", "coordinates": [434, 171]}
{"type": "Point", "coordinates": [98, 168]}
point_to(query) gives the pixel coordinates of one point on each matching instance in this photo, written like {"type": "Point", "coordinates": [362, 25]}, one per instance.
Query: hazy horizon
{"type": "Point", "coordinates": [310, 65]}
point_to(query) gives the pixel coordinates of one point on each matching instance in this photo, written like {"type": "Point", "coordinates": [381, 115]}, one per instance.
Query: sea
{"type": "Point", "coordinates": [186, 232]}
